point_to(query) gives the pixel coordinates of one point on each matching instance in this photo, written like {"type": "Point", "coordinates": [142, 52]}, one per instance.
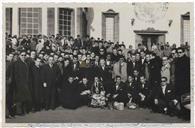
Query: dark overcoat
{"type": "Point", "coordinates": [21, 76]}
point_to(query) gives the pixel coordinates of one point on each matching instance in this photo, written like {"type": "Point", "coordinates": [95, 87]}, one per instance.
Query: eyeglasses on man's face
{"type": "Point", "coordinates": [163, 80]}
{"type": "Point", "coordinates": [179, 52]}
{"type": "Point", "coordinates": [23, 54]}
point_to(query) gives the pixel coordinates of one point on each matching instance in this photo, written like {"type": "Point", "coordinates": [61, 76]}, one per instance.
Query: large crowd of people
{"type": "Point", "coordinates": [44, 72]}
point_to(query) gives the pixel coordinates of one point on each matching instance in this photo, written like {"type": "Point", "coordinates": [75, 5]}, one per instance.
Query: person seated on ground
{"type": "Point", "coordinates": [118, 94]}
{"type": "Point", "coordinates": [132, 92]}
{"type": "Point", "coordinates": [84, 90]}
{"type": "Point", "coordinates": [144, 93]}
{"type": "Point", "coordinates": [97, 94]}
{"type": "Point", "coordinates": [69, 95]}
{"type": "Point", "coordinates": [164, 99]}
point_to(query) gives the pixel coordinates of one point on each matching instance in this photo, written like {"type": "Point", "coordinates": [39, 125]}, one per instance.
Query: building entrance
{"type": "Point", "coordinates": [149, 37]}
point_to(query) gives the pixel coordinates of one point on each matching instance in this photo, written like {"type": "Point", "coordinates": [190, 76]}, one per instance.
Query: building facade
{"type": "Point", "coordinates": [131, 23]}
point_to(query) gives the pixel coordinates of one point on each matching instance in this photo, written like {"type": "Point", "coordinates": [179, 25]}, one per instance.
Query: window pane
{"type": "Point", "coordinates": [23, 31]}
{"type": "Point", "coordinates": [29, 9]}
{"type": "Point", "coordinates": [23, 14]}
{"type": "Point", "coordinates": [35, 31]}
{"type": "Point", "coordinates": [36, 10]}
{"type": "Point", "coordinates": [29, 25]}
{"type": "Point", "coordinates": [110, 28]}
{"type": "Point", "coordinates": [29, 14]}
{"type": "Point", "coordinates": [30, 20]}
{"type": "Point", "coordinates": [35, 14]}
{"type": "Point", "coordinates": [23, 19]}
{"type": "Point", "coordinates": [35, 20]}
{"type": "Point", "coordinates": [23, 25]}
{"type": "Point", "coordinates": [23, 9]}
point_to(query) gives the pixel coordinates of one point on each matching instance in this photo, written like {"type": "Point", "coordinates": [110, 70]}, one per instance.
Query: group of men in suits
{"type": "Point", "coordinates": [37, 80]}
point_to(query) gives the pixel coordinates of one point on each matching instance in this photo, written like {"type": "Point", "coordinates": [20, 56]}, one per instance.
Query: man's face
{"type": "Point", "coordinates": [70, 79]}
{"type": "Point", "coordinates": [142, 55]}
{"type": "Point", "coordinates": [52, 54]}
{"type": "Point", "coordinates": [142, 79]}
{"type": "Point", "coordinates": [137, 56]}
{"type": "Point", "coordinates": [133, 58]}
{"type": "Point", "coordinates": [174, 53]}
{"type": "Point", "coordinates": [96, 79]}
{"type": "Point", "coordinates": [130, 79]}
{"type": "Point", "coordinates": [180, 53]}
{"type": "Point", "coordinates": [84, 80]}
{"type": "Point", "coordinates": [10, 57]}
{"type": "Point", "coordinates": [75, 52]}
{"type": "Point", "coordinates": [79, 57]}
{"type": "Point", "coordinates": [38, 62]}
{"type": "Point", "coordinates": [97, 58]}
{"type": "Point", "coordinates": [164, 60]}
{"type": "Point", "coordinates": [55, 58]}
{"type": "Point", "coordinates": [92, 54]}
{"type": "Point", "coordinates": [67, 62]}
{"type": "Point", "coordinates": [108, 57]}
{"type": "Point", "coordinates": [135, 73]}
{"type": "Point", "coordinates": [114, 51]}
{"type": "Point", "coordinates": [120, 52]}
{"type": "Point", "coordinates": [105, 44]}
{"type": "Point", "coordinates": [41, 56]}
{"type": "Point", "coordinates": [102, 62]}
{"type": "Point", "coordinates": [163, 82]}
{"type": "Point", "coordinates": [101, 51]}
{"type": "Point", "coordinates": [23, 56]}
{"type": "Point", "coordinates": [118, 79]}
{"type": "Point", "coordinates": [66, 56]}
{"type": "Point", "coordinates": [46, 57]}
{"type": "Point", "coordinates": [50, 60]}
{"type": "Point", "coordinates": [33, 54]}
{"type": "Point", "coordinates": [100, 44]}
{"type": "Point", "coordinates": [147, 58]}
{"type": "Point", "coordinates": [15, 58]}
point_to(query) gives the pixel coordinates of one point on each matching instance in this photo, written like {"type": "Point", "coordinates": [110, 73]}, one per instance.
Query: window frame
{"type": "Point", "coordinates": [111, 13]}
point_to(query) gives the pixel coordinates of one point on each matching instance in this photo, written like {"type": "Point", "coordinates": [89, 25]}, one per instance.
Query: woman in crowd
{"type": "Point", "coordinates": [98, 98]}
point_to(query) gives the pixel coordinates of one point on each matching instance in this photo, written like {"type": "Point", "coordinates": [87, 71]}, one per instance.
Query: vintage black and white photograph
{"type": "Point", "coordinates": [98, 62]}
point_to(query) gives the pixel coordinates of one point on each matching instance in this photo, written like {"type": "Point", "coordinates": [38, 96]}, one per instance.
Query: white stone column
{"type": "Point", "coordinates": [15, 21]}
{"type": "Point", "coordinates": [56, 21]}
{"type": "Point", "coordinates": [75, 22]}
{"type": "Point", "coordinates": [44, 20]}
